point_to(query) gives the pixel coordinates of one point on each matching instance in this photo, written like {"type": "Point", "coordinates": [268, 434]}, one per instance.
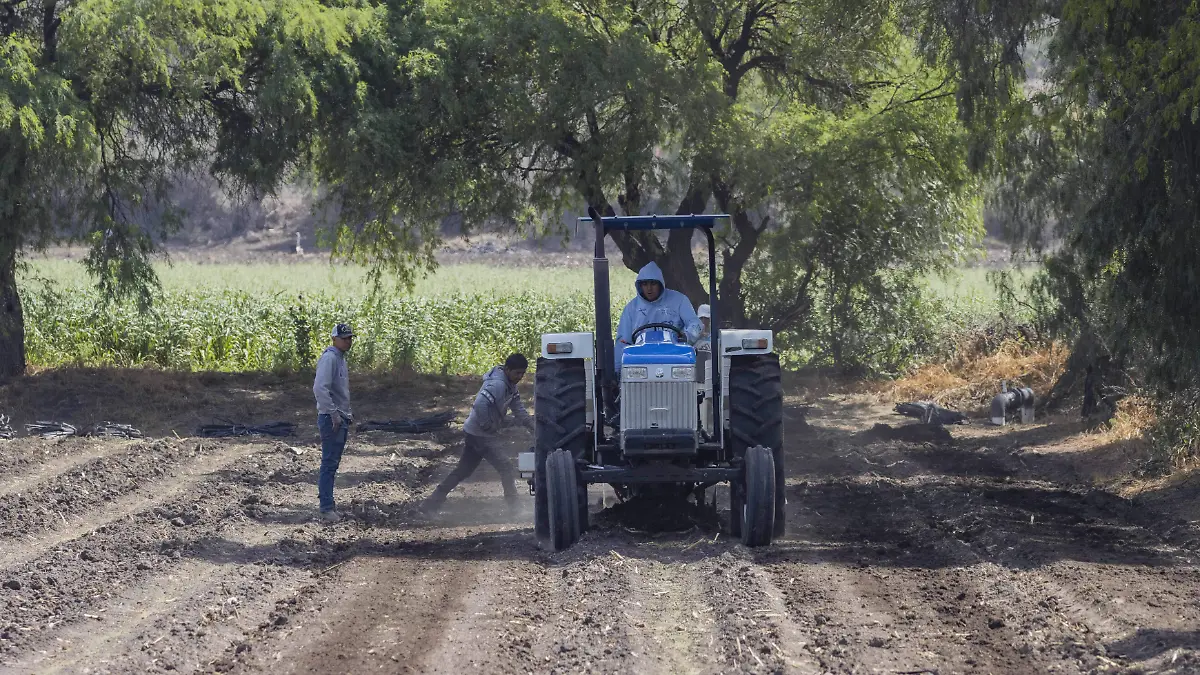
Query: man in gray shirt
{"type": "Point", "coordinates": [332, 389]}
{"type": "Point", "coordinates": [496, 397]}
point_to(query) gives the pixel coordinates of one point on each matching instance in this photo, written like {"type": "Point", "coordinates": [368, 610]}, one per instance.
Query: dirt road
{"type": "Point", "coordinates": [980, 556]}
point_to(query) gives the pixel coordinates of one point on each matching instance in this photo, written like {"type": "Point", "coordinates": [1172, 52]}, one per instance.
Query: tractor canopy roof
{"type": "Point", "coordinates": [618, 223]}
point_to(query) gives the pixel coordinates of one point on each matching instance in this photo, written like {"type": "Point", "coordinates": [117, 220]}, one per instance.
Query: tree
{"type": "Point", "coordinates": [1106, 152]}
{"type": "Point", "coordinates": [762, 109]}
{"type": "Point", "coordinates": [105, 100]}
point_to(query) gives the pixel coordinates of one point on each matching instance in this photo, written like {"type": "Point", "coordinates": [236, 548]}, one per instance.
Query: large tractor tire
{"type": "Point", "coordinates": [562, 498]}
{"type": "Point", "coordinates": [756, 418]}
{"type": "Point", "coordinates": [758, 511]}
{"type": "Point", "coordinates": [560, 406]}
{"type": "Point", "coordinates": [737, 505]}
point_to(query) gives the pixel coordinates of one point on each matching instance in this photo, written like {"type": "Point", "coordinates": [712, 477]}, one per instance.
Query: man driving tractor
{"type": "Point", "coordinates": [654, 303]}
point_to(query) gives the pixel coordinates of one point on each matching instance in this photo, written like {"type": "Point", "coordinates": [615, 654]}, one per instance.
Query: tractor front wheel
{"type": "Point", "coordinates": [562, 499]}
{"type": "Point", "coordinates": [758, 511]}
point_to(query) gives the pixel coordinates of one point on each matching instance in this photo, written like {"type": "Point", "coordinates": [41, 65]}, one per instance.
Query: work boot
{"type": "Point", "coordinates": [429, 507]}
{"type": "Point", "coordinates": [513, 508]}
{"type": "Point", "coordinates": [330, 516]}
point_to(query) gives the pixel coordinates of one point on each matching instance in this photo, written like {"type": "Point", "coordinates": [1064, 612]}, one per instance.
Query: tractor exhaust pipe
{"type": "Point", "coordinates": [604, 339]}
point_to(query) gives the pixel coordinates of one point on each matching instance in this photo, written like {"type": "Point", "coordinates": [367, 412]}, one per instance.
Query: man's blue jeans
{"type": "Point", "coordinates": [332, 444]}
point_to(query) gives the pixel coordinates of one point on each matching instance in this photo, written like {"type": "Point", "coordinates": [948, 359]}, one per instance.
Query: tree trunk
{"type": "Point", "coordinates": [733, 303]}
{"type": "Point", "coordinates": [676, 259]}
{"type": "Point", "coordinates": [12, 321]}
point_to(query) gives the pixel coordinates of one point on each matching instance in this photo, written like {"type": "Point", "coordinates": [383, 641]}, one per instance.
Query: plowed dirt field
{"type": "Point", "coordinates": [992, 553]}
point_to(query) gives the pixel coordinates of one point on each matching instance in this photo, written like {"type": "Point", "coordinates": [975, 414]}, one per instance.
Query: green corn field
{"type": "Point", "coordinates": [462, 319]}
{"type": "Point", "coordinates": [228, 330]}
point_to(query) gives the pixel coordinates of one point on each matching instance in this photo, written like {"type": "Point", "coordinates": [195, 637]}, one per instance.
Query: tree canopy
{"type": "Point", "coordinates": [1102, 158]}
{"type": "Point", "coordinates": [103, 101]}
{"type": "Point", "coordinates": [817, 126]}
{"type": "Point", "coordinates": [827, 130]}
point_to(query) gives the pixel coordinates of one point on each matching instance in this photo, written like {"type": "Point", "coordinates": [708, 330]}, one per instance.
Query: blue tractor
{"type": "Point", "coordinates": [670, 421]}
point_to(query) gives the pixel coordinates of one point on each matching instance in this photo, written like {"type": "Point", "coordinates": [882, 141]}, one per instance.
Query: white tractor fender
{"type": "Point", "coordinates": [568, 346]}
{"type": "Point", "coordinates": [740, 342]}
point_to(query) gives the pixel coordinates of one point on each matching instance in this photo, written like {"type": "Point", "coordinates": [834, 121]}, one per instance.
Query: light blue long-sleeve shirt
{"type": "Point", "coordinates": [331, 386]}
{"type": "Point", "coordinates": [671, 307]}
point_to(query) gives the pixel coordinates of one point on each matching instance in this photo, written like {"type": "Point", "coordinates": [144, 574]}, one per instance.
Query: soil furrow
{"type": "Point", "coordinates": [34, 461]}
{"type": "Point", "coordinates": [138, 490]}
{"type": "Point", "coordinates": [202, 556]}
{"type": "Point", "coordinates": [201, 519]}
{"type": "Point", "coordinates": [77, 491]}
{"type": "Point", "coordinates": [673, 627]}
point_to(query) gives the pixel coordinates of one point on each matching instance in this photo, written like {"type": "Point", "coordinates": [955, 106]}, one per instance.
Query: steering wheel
{"type": "Point", "coordinates": [667, 326]}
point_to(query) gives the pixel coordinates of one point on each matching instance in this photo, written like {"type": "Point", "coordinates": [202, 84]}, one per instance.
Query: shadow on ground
{"type": "Point", "coordinates": [164, 403]}
{"type": "Point", "coordinates": [1149, 643]}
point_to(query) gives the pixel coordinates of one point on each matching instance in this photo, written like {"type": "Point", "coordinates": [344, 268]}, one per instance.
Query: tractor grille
{"type": "Point", "coordinates": [658, 405]}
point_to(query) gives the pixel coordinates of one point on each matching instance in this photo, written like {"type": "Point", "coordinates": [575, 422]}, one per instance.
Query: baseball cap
{"type": "Point", "coordinates": [704, 312]}
{"type": "Point", "coordinates": [342, 330]}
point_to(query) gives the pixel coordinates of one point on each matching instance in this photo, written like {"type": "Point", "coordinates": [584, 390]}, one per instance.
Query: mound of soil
{"type": "Point", "coordinates": [911, 433]}
{"type": "Point", "coordinates": [657, 515]}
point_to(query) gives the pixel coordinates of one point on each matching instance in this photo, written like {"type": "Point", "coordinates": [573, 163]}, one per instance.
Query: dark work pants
{"type": "Point", "coordinates": [477, 449]}
{"type": "Point", "coordinates": [332, 444]}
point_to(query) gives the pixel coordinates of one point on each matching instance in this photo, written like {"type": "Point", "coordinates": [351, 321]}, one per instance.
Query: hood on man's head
{"type": "Point", "coordinates": [650, 272]}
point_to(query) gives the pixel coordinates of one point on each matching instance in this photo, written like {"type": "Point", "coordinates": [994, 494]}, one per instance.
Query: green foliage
{"type": "Point", "coordinates": [1101, 158]}
{"type": "Point", "coordinates": [105, 102]}
{"type": "Point", "coordinates": [506, 111]}
{"type": "Point", "coordinates": [865, 203]}
{"type": "Point", "coordinates": [111, 98]}
{"type": "Point", "coordinates": [814, 123]}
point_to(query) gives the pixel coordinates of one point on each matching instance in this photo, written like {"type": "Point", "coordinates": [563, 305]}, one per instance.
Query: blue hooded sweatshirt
{"type": "Point", "coordinates": [671, 307]}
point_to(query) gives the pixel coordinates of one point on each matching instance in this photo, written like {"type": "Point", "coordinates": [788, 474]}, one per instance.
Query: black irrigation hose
{"type": "Point", "coordinates": [930, 412]}
{"type": "Point", "coordinates": [6, 431]}
{"type": "Point", "coordinates": [230, 430]}
{"type": "Point", "coordinates": [418, 425]}
{"type": "Point", "coordinates": [62, 429]}
{"type": "Point", "coordinates": [114, 430]}
{"type": "Point", "coordinates": [51, 429]}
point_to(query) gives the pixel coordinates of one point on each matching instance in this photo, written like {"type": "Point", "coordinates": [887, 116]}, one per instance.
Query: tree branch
{"type": "Point", "coordinates": [50, 24]}
{"type": "Point", "coordinates": [801, 304]}
{"type": "Point", "coordinates": [9, 23]}
{"type": "Point", "coordinates": [931, 95]}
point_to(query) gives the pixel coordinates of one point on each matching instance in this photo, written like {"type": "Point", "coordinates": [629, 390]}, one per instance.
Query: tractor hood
{"type": "Point", "coordinates": [658, 347]}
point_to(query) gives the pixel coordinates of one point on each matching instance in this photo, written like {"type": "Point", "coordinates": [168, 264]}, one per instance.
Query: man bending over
{"type": "Point", "coordinates": [496, 397]}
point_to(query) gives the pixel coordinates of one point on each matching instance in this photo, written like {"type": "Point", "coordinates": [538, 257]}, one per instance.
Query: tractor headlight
{"type": "Point", "coordinates": [636, 372]}
{"type": "Point", "coordinates": [683, 372]}
{"type": "Point", "coordinates": [560, 348]}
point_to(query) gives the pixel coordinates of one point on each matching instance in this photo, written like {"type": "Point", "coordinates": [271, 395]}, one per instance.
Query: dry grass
{"type": "Point", "coordinates": [975, 374]}
{"type": "Point", "coordinates": [1134, 418]}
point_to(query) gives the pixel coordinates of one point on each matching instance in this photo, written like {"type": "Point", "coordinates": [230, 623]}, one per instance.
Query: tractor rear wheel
{"type": "Point", "coordinates": [758, 511]}
{"type": "Point", "coordinates": [560, 406]}
{"type": "Point", "coordinates": [737, 504]}
{"type": "Point", "coordinates": [562, 497]}
{"type": "Point", "coordinates": [756, 418]}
